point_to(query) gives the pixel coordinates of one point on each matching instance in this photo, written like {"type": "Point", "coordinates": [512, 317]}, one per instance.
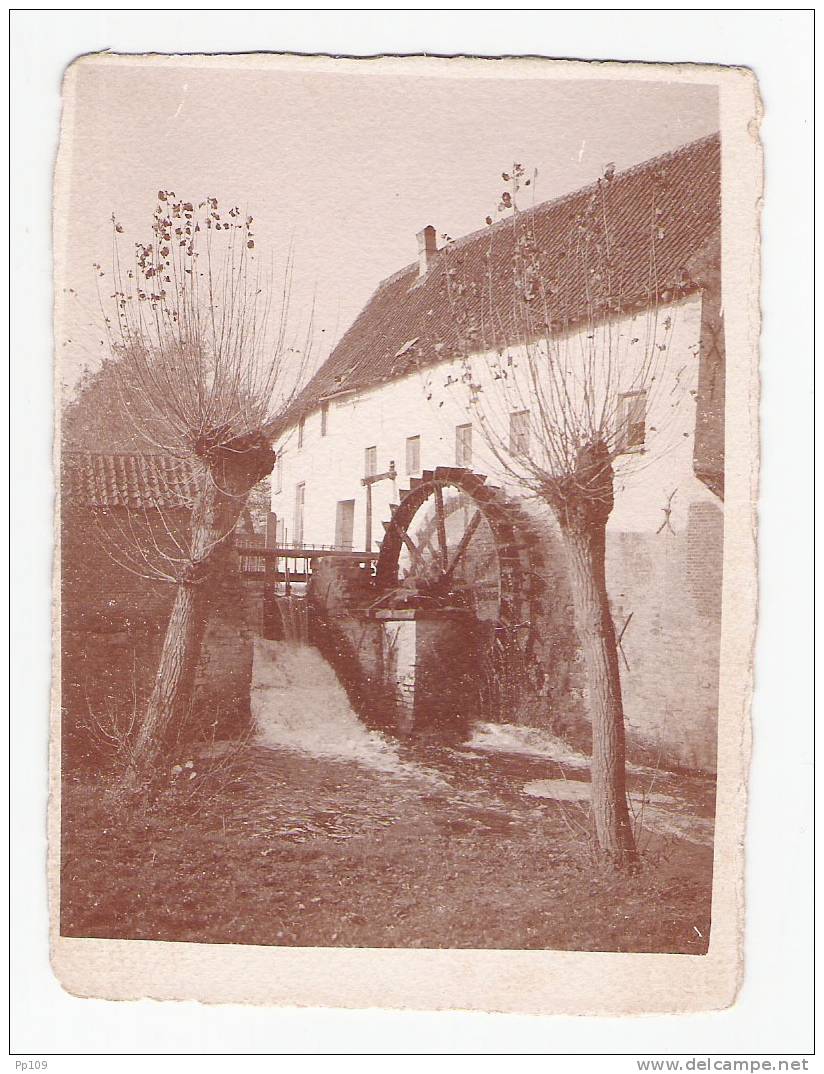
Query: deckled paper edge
{"type": "Point", "coordinates": [536, 982]}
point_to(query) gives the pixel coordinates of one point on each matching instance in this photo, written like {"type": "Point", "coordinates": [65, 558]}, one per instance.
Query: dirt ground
{"type": "Point", "coordinates": [272, 846]}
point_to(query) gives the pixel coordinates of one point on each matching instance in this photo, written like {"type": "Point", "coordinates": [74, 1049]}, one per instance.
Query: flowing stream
{"type": "Point", "coordinates": [299, 704]}
{"type": "Point", "coordinates": [294, 617]}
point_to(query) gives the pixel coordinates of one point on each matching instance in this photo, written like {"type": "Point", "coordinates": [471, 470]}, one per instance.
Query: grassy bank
{"type": "Point", "coordinates": [276, 847]}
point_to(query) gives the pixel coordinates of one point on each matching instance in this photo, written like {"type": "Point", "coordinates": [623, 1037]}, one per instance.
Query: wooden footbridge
{"type": "Point", "coordinates": [287, 564]}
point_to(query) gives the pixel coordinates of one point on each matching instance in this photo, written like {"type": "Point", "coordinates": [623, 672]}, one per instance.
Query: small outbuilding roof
{"type": "Point", "coordinates": [117, 479]}
{"type": "Point", "coordinates": [409, 321]}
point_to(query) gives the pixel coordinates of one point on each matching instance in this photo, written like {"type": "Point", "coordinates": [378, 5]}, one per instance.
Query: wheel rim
{"type": "Point", "coordinates": [453, 541]}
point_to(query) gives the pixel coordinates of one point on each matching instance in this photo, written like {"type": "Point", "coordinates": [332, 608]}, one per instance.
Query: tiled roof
{"type": "Point", "coordinates": [97, 479]}
{"type": "Point", "coordinates": [409, 322]}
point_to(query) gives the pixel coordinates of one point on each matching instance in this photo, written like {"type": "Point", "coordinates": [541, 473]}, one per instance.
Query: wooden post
{"type": "Point", "coordinates": [270, 565]}
{"type": "Point", "coordinates": [368, 516]}
{"type": "Point", "coordinates": [368, 481]}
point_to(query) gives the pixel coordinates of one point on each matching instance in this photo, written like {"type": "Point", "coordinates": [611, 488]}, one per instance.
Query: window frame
{"type": "Point", "coordinates": [300, 514]}
{"type": "Point", "coordinates": [370, 462]}
{"type": "Point", "coordinates": [324, 419]}
{"type": "Point", "coordinates": [463, 447]}
{"type": "Point", "coordinates": [624, 443]}
{"type": "Point", "coordinates": [414, 443]}
{"type": "Point", "coordinates": [517, 448]}
{"type": "Point", "coordinates": [345, 546]}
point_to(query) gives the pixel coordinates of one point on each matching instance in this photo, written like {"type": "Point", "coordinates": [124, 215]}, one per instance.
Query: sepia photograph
{"type": "Point", "coordinates": [391, 425]}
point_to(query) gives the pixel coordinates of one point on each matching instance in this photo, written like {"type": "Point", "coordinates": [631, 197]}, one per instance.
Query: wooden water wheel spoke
{"type": "Point", "coordinates": [450, 544]}
{"type": "Point", "coordinates": [463, 544]}
{"type": "Point", "coordinates": [427, 548]}
{"type": "Point", "coordinates": [457, 551]}
{"type": "Point", "coordinates": [441, 518]}
{"type": "Point", "coordinates": [414, 551]}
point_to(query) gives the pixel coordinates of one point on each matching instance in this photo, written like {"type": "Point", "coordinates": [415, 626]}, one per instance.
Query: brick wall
{"type": "Point", "coordinates": [99, 591]}
{"type": "Point", "coordinates": [224, 675]}
{"type": "Point", "coordinates": [113, 623]}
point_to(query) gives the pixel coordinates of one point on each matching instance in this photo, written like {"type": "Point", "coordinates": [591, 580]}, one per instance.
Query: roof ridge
{"type": "Point", "coordinates": [387, 280]}
{"type": "Point", "coordinates": [396, 311]}
{"type": "Point", "coordinates": [559, 199]}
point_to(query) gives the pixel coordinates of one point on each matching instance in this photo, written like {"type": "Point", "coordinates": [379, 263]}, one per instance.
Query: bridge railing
{"type": "Point", "coordinates": [287, 563]}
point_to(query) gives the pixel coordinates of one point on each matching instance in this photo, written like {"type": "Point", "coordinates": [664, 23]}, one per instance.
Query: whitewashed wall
{"type": "Point", "coordinates": [419, 404]}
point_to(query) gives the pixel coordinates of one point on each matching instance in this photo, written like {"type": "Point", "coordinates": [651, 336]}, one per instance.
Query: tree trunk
{"type": "Point", "coordinates": [181, 644]}
{"type": "Point", "coordinates": [175, 673]}
{"type": "Point", "coordinates": [227, 475]}
{"type": "Point", "coordinates": [585, 543]}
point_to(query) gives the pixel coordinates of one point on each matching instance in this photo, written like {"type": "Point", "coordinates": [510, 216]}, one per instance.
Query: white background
{"type": "Point", "coordinates": [773, 1013]}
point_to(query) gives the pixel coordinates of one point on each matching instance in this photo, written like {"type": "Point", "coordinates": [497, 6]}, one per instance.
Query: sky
{"type": "Point", "coordinates": [344, 165]}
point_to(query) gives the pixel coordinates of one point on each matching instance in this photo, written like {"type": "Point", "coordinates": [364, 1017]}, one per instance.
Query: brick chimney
{"type": "Point", "coordinates": [427, 249]}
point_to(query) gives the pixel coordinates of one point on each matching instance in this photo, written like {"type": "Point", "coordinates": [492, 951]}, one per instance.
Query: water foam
{"type": "Point", "coordinates": [527, 741]}
{"type": "Point", "coordinates": [298, 703]}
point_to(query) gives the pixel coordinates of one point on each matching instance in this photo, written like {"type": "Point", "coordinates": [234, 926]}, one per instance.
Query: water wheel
{"type": "Point", "coordinates": [458, 544]}
{"type": "Point", "coordinates": [454, 541]}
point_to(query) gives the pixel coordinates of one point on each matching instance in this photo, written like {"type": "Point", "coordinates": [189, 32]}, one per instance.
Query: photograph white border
{"type": "Point", "coordinates": [45, 1019]}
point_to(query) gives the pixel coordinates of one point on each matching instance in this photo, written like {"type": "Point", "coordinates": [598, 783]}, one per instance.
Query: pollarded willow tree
{"type": "Point", "coordinates": [198, 333]}
{"type": "Point", "coordinates": [563, 340]}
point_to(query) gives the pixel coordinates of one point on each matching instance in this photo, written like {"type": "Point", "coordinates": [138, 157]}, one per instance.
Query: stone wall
{"type": "Point", "coordinates": [665, 596]}
{"type": "Point", "coordinates": [546, 690]}
{"type": "Point", "coordinates": [103, 583]}
{"type": "Point", "coordinates": [665, 591]}
{"type": "Point", "coordinates": [339, 594]}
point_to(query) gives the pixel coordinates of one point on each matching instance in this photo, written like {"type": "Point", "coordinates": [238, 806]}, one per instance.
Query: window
{"type": "Point", "coordinates": [632, 420]}
{"type": "Point", "coordinates": [463, 445]}
{"type": "Point", "coordinates": [519, 432]}
{"type": "Point", "coordinates": [413, 454]}
{"type": "Point", "coordinates": [277, 479]}
{"type": "Point", "coordinates": [370, 462]}
{"type": "Point", "coordinates": [301, 428]}
{"type": "Point", "coordinates": [300, 503]}
{"type": "Point", "coordinates": [324, 419]}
